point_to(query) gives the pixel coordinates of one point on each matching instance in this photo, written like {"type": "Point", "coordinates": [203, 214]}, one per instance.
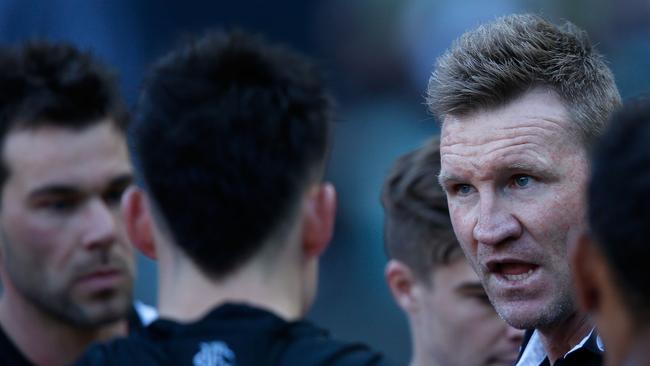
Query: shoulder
{"type": "Point", "coordinates": [309, 345]}
{"type": "Point", "coordinates": [126, 351]}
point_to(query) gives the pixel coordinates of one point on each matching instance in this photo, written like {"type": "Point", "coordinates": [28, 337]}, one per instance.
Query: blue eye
{"type": "Point", "coordinates": [521, 180]}
{"type": "Point", "coordinates": [463, 189]}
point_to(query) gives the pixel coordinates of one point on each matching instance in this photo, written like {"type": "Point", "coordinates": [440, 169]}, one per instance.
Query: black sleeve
{"type": "Point", "coordinates": [331, 353]}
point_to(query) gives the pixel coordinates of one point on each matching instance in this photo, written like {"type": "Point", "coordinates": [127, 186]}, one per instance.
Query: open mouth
{"type": "Point", "coordinates": [512, 270]}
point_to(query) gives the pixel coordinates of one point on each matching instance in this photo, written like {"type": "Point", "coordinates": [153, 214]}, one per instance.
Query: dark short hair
{"type": "Point", "coordinates": [418, 230]}
{"type": "Point", "coordinates": [229, 133]}
{"type": "Point", "coordinates": [53, 84]}
{"type": "Point", "coordinates": [619, 202]}
{"type": "Point", "coordinates": [495, 63]}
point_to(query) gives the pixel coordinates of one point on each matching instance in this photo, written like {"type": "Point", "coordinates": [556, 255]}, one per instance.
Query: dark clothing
{"type": "Point", "coordinates": [232, 335]}
{"type": "Point", "coordinates": [11, 355]}
{"type": "Point", "coordinates": [590, 353]}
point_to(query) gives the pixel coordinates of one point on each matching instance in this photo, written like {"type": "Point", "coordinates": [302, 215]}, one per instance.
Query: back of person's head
{"type": "Point", "coordinates": [53, 84]}
{"type": "Point", "coordinates": [230, 132]}
{"type": "Point", "coordinates": [499, 61]}
{"type": "Point", "coordinates": [417, 228]}
{"type": "Point", "coordinates": [619, 204]}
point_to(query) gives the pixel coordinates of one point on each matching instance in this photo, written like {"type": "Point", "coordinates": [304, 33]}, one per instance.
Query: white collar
{"type": "Point", "coordinates": [146, 313]}
{"type": "Point", "coordinates": [534, 354]}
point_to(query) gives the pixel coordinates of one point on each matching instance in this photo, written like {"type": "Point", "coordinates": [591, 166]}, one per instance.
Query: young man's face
{"type": "Point", "coordinates": [515, 180]}
{"type": "Point", "coordinates": [458, 323]}
{"type": "Point", "coordinates": [63, 248]}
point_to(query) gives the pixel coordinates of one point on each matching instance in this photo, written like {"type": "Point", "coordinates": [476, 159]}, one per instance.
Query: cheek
{"type": "Point", "coordinates": [471, 325]}
{"type": "Point", "coordinates": [555, 218]}
{"type": "Point", "coordinates": [454, 315]}
{"type": "Point", "coordinates": [440, 326]}
{"type": "Point", "coordinates": [41, 241]}
{"type": "Point", "coordinates": [463, 224]}
{"type": "Point", "coordinates": [122, 237]}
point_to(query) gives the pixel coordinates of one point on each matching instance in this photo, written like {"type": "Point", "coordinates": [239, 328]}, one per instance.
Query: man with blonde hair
{"type": "Point", "coordinates": [521, 101]}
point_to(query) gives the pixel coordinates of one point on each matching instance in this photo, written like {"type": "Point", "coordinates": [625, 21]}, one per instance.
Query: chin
{"type": "Point", "coordinates": [518, 315]}
{"type": "Point", "coordinates": [99, 313]}
{"type": "Point", "coordinates": [532, 314]}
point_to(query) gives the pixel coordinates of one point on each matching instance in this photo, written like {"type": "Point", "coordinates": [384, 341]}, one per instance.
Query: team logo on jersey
{"type": "Point", "coordinates": [215, 353]}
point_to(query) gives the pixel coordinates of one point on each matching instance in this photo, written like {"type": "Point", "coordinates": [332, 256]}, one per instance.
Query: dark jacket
{"type": "Point", "coordinates": [232, 335]}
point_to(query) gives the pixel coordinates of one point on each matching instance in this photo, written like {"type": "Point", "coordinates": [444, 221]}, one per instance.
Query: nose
{"type": "Point", "coordinates": [495, 223]}
{"type": "Point", "coordinates": [100, 225]}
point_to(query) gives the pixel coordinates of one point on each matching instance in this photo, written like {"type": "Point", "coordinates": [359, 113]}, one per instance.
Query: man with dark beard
{"type": "Point", "coordinates": [66, 267]}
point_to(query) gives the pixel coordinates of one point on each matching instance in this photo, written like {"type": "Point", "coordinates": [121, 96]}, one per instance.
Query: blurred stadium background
{"type": "Point", "coordinates": [377, 55]}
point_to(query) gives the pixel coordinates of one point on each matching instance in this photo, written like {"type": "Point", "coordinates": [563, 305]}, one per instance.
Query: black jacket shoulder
{"type": "Point", "coordinates": [233, 335]}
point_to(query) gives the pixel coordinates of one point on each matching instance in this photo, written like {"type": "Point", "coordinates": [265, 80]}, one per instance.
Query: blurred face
{"type": "Point", "coordinates": [515, 179]}
{"type": "Point", "coordinates": [62, 247]}
{"type": "Point", "coordinates": [459, 326]}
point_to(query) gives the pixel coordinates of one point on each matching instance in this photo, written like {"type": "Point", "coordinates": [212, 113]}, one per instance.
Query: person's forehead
{"type": "Point", "coordinates": [539, 108]}
{"type": "Point", "coordinates": [534, 126]}
{"type": "Point", "coordinates": [62, 155]}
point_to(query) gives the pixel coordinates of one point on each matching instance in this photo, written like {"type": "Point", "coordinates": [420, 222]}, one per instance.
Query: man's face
{"type": "Point", "coordinates": [457, 313]}
{"type": "Point", "coordinates": [515, 179]}
{"type": "Point", "coordinates": [63, 246]}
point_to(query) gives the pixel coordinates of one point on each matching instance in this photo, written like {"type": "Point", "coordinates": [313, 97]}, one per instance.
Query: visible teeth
{"type": "Point", "coordinates": [517, 277]}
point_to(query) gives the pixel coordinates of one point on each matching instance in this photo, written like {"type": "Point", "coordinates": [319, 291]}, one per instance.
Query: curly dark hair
{"type": "Point", "coordinates": [53, 84]}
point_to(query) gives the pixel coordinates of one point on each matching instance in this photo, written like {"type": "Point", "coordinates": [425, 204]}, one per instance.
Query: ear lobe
{"type": "Point", "coordinates": [318, 214]}
{"type": "Point", "coordinates": [137, 220]}
{"type": "Point", "coordinates": [401, 282]}
{"type": "Point", "coordinates": [583, 258]}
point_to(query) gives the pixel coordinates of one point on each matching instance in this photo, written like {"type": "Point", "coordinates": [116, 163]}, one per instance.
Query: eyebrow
{"type": "Point", "coordinates": [444, 178]}
{"type": "Point", "coordinates": [122, 180]}
{"type": "Point", "coordinates": [525, 166]}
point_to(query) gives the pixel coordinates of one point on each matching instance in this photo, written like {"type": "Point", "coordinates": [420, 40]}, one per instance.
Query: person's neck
{"type": "Point", "coordinates": [186, 294]}
{"type": "Point", "coordinates": [562, 337]}
{"type": "Point", "coordinates": [47, 341]}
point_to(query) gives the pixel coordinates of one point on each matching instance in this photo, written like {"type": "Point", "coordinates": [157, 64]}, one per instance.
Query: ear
{"type": "Point", "coordinates": [319, 211]}
{"type": "Point", "coordinates": [137, 220]}
{"type": "Point", "coordinates": [585, 261]}
{"type": "Point", "coordinates": [401, 282]}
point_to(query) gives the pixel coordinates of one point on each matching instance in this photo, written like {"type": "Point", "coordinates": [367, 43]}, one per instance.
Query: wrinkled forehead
{"type": "Point", "coordinates": [539, 113]}
{"type": "Point", "coordinates": [533, 133]}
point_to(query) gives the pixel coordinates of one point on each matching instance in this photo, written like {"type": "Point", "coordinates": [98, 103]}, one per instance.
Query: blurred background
{"type": "Point", "coordinates": [377, 56]}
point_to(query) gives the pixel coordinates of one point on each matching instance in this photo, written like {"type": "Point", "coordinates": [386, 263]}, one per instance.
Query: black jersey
{"type": "Point", "coordinates": [11, 355]}
{"type": "Point", "coordinates": [232, 335]}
